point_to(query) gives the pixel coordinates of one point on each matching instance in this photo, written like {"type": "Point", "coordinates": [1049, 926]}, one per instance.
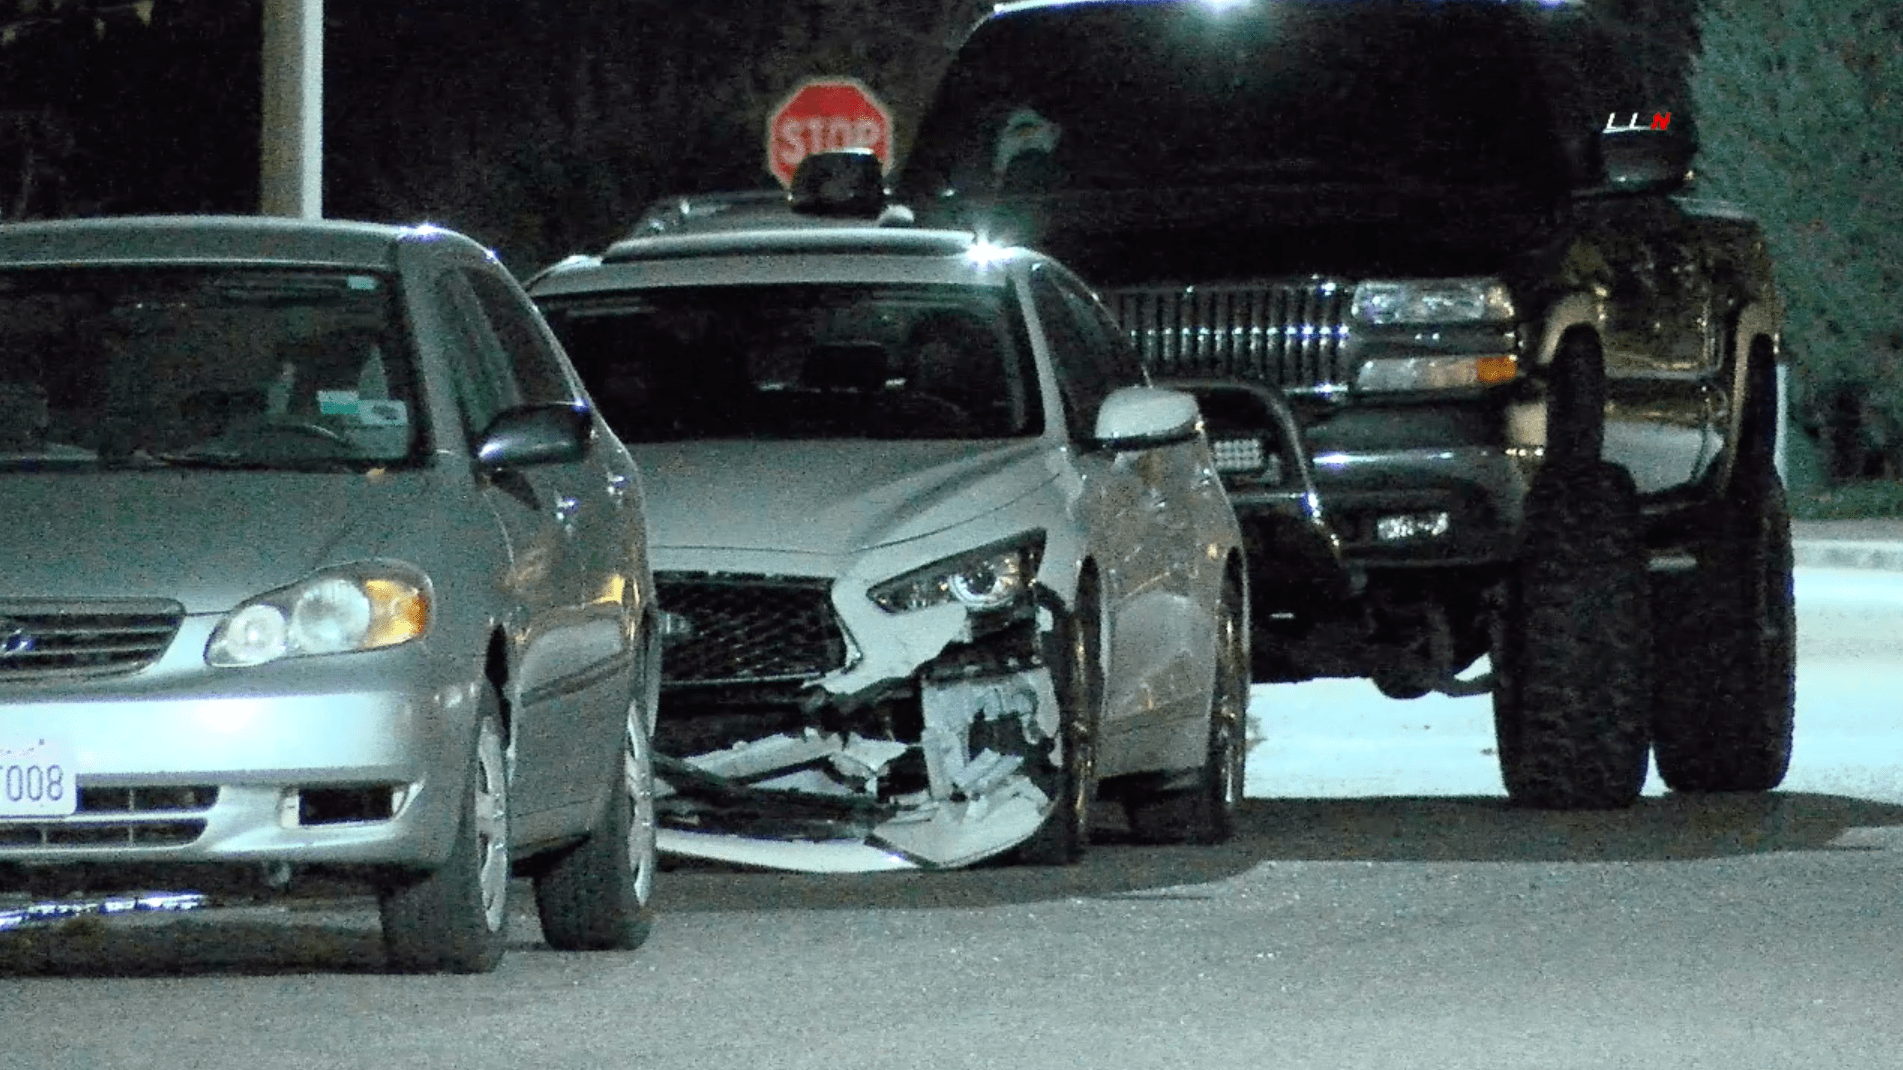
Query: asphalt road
{"type": "Point", "coordinates": [1381, 909]}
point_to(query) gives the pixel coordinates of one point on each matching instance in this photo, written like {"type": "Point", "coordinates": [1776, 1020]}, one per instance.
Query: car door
{"type": "Point", "coordinates": [1124, 511]}
{"type": "Point", "coordinates": [571, 646]}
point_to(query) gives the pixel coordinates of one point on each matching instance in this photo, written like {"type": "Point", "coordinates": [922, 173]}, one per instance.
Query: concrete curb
{"type": "Point", "coordinates": [1853, 544]}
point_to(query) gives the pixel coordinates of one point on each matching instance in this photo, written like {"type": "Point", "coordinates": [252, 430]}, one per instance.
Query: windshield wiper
{"type": "Point", "coordinates": [240, 463]}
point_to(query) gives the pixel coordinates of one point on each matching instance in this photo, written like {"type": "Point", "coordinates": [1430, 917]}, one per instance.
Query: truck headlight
{"type": "Point", "coordinates": [1425, 301]}
{"type": "Point", "coordinates": [336, 611]}
{"type": "Point", "coordinates": [1384, 374]}
{"type": "Point", "coordinates": [988, 578]}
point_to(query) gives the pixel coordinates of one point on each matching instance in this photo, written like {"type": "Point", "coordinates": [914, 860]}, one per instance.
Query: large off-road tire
{"type": "Point", "coordinates": [1205, 813]}
{"type": "Point", "coordinates": [452, 919]}
{"type": "Point", "coordinates": [1726, 712]}
{"type": "Point", "coordinates": [1572, 690]}
{"type": "Point", "coordinates": [597, 895]}
{"type": "Point", "coordinates": [1072, 785]}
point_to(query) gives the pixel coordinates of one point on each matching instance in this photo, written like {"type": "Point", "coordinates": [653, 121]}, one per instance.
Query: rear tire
{"type": "Point", "coordinates": [452, 920]}
{"type": "Point", "coordinates": [1572, 691]}
{"type": "Point", "coordinates": [1206, 812]}
{"type": "Point", "coordinates": [1072, 785]}
{"type": "Point", "coordinates": [1726, 713]}
{"type": "Point", "coordinates": [597, 895]}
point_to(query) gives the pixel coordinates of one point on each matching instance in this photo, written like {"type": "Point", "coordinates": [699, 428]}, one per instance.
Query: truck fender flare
{"type": "Point", "coordinates": [1581, 308]}
{"type": "Point", "coordinates": [1757, 319]}
{"type": "Point", "coordinates": [1526, 419]}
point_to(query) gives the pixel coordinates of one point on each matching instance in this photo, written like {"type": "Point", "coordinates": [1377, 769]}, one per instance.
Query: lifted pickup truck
{"type": "Point", "coordinates": [1540, 382]}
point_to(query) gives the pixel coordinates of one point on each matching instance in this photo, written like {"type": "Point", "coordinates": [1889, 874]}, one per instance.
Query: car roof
{"type": "Point", "coordinates": [208, 239]}
{"type": "Point", "coordinates": [857, 254]}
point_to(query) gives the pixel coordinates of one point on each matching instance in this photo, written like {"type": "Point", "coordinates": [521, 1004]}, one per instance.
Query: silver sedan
{"type": "Point", "coordinates": [317, 555]}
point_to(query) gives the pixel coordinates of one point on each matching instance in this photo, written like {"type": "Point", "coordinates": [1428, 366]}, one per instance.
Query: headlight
{"type": "Point", "coordinates": [990, 577]}
{"type": "Point", "coordinates": [334, 612]}
{"type": "Point", "coordinates": [1433, 301]}
{"type": "Point", "coordinates": [1435, 373]}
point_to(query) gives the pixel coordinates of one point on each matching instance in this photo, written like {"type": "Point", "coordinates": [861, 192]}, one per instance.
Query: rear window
{"type": "Point", "coordinates": [1131, 95]}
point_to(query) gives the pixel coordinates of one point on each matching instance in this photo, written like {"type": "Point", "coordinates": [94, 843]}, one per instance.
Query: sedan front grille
{"type": "Point", "coordinates": [1288, 334]}
{"type": "Point", "coordinates": [740, 629]}
{"type": "Point", "coordinates": [52, 640]}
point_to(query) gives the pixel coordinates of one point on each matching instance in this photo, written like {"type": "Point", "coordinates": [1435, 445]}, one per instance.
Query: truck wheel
{"type": "Point", "coordinates": [596, 895]}
{"type": "Point", "coordinates": [1726, 712]}
{"type": "Point", "coordinates": [1572, 688]}
{"type": "Point", "coordinates": [1205, 813]}
{"type": "Point", "coordinates": [451, 920]}
{"type": "Point", "coordinates": [1072, 785]}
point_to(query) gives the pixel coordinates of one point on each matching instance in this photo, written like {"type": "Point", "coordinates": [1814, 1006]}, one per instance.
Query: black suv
{"type": "Point", "coordinates": [1541, 384]}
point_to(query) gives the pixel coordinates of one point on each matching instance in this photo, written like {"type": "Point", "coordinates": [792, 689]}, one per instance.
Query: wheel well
{"type": "Point", "coordinates": [495, 668]}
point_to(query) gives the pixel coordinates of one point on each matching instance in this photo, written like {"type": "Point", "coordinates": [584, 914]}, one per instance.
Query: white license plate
{"type": "Point", "coordinates": [36, 779]}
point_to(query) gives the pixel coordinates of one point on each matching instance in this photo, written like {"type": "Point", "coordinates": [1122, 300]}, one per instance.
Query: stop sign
{"type": "Point", "coordinates": [825, 114]}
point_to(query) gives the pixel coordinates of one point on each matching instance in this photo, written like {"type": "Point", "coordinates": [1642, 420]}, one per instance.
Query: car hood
{"type": "Point", "coordinates": [827, 497]}
{"type": "Point", "coordinates": [207, 539]}
{"type": "Point", "coordinates": [1118, 238]}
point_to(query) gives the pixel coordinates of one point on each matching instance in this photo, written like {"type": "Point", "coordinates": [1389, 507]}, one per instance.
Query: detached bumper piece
{"type": "Point", "coordinates": [931, 771]}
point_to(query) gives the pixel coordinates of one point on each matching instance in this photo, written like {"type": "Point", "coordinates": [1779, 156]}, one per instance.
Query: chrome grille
{"type": "Point", "coordinates": [49, 640]}
{"type": "Point", "coordinates": [749, 629]}
{"type": "Point", "coordinates": [1289, 334]}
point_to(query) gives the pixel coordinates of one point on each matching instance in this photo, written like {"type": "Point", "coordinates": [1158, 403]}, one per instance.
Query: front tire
{"type": "Point", "coordinates": [1572, 690]}
{"type": "Point", "coordinates": [1072, 785]}
{"type": "Point", "coordinates": [597, 895]}
{"type": "Point", "coordinates": [452, 920]}
{"type": "Point", "coordinates": [1206, 812]}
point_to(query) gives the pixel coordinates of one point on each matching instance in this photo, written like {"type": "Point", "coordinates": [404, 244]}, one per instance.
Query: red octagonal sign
{"type": "Point", "coordinates": [825, 114]}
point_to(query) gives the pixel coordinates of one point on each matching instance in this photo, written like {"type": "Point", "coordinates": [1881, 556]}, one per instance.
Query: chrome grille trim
{"type": "Point", "coordinates": [45, 640]}
{"type": "Point", "coordinates": [1291, 334]}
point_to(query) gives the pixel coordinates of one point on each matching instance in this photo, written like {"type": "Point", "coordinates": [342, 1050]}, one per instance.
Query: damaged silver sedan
{"type": "Point", "coordinates": [942, 570]}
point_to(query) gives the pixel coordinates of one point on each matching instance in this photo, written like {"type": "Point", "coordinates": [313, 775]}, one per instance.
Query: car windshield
{"type": "Point", "coordinates": [803, 362]}
{"type": "Point", "coordinates": [1129, 96]}
{"type": "Point", "coordinates": [202, 367]}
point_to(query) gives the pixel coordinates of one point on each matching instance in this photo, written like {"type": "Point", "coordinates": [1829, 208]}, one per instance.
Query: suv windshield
{"type": "Point", "coordinates": [213, 367]}
{"type": "Point", "coordinates": [1136, 95]}
{"type": "Point", "coordinates": [802, 361]}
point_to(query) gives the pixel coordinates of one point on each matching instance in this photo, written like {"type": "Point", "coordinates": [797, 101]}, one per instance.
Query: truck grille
{"type": "Point", "coordinates": [749, 629]}
{"type": "Point", "coordinates": [50, 640]}
{"type": "Point", "coordinates": [1288, 334]}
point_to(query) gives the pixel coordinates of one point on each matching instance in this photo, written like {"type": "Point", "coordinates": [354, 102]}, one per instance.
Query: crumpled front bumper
{"type": "Point", "coordinates": [938, 764]}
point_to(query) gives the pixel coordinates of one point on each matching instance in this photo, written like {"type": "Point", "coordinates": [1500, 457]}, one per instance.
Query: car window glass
{"type": "Point", "coordinates": [251, 367]}
{"type": "Point", "coordinates": [531, 360]}
{"type": "Point", "coordinates": [852, 360]}
{"type": "Point", "coordinates": [484, 387]}
{"type": "Point", "coordinates": [1082, 377]}
{"type": "Point", "coordinates": [1132, 96]}
{"type": "Point", "coordinates": [1111, 345]}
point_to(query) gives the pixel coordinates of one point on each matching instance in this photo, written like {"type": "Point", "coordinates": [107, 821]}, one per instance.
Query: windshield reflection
{"type": "Point", "coordinates": [803, 362]}
{"type": "Point", "coordinates": [230, 368]}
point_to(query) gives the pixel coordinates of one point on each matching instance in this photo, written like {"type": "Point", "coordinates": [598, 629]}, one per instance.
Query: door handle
{"type": "Point", "coordinates": [565, 508]}
{"type": "Point", "coordinates": [617, 488]}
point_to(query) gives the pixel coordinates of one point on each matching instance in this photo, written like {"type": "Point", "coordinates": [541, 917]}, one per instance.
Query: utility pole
{"type": "Point", "coordinates": [292, 161]}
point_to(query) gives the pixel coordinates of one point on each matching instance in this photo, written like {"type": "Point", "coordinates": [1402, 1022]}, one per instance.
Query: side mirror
{"type": "Point", "coordinates": [535, 434]}
{"type": "Point", "coordinates": [842, 182]}
{"type": "Point", "coordinates": [1143, 417]}
{"type": "Point", "coordinates": [1645, 161]}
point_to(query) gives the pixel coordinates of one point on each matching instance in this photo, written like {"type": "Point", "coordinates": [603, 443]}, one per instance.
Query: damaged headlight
{"type": "Point", "coordinates": [337, 611]}
{"type": "Point", "coordinates": [988, 578]}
